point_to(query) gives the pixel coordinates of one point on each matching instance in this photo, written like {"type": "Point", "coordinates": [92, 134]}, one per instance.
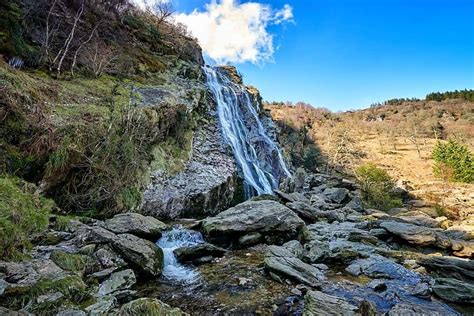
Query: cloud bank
{"type": "Point", "coordinates": [233, 32]}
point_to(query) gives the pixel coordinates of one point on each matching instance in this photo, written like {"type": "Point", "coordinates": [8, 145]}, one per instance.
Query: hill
{"type": "Point", "coordinates": [399, 136]}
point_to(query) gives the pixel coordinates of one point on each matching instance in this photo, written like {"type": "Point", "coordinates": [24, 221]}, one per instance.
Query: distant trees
{"type": "Point", "coordinates": [466, 94]}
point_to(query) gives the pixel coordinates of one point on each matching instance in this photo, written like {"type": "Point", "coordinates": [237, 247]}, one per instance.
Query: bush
{"type": "Point", "coordinates": [453, 162]}
{"type": "Point", "coordinates": [376, 186]}
{"type": "Point", "coordinates": [22, 213]}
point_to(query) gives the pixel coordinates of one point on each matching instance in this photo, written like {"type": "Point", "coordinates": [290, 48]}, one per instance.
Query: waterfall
{"type": "Point", "coordinates": [258, 157]}
{"type": "Point", "coordinates": [169, 242]}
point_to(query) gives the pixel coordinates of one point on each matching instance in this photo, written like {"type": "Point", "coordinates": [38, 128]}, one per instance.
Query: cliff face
{"type": "Point", "coordinates": [207, 180]}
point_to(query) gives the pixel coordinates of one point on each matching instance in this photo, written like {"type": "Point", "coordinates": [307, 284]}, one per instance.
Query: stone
{"type": "Point", "coordinates": [320, 304]}
{"type": "Point", "coordinates": [404, 309]}
{"type": "Point", "coordinates": [413, 234]}
{"type": "Point", "coordinates": [9, 312]}
{"type": "Point", "coordinates": [193, 254]}
{"type": "Point", "coordinates": [367, 308]}
{"type": "Point", "coordinates": [282, 262]}
{"type": "Point", "coordinates": [250, 239]}
{"type": "Point", "coordinates": [380, 267]}
{"type": "Point", "coordinates": [49, 298]}
{"type": "Point", "coordinates": [449, 267]}
{"type": "Point", "coordinates": [422, 290]}
{"type": "Point", "coordinates": [453, 290]}
{"type": "Point", "coordinates": [274, 221]}
{"type": "Point", "coordinates": [312, 214]}
{"type": "Point", "coordinates": [295, 247]}
{"type": "Point", "coordinates": [103, 306]}
{"type": "Point", "coordinates": [356, 204]}
{"type": "Point", "coordinates": [292, 197]}
{"type": "Point", "coordinates": [140, 253]}
{"type": "Point", "coordinates": [136, 224]}
{"type": "Point", "coordinates": [3, 286]}
{"type": "Point", "coordinates": [109, 259]}
{"type": "Point", "coordinates": [148, 306]}
{"type": "Point", "coordinates": [118, 281]}
{"type": "Point", "coordinates": [103, 274]}
{"type": "Point", "coordinates": [336, 195]}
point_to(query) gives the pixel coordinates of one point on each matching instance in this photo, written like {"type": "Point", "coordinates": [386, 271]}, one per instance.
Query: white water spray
{"type": "Point", "coordinates": [257, 155]}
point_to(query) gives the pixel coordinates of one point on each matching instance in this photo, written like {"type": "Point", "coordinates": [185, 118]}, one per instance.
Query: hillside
{"type": "Point", "coordinates": [398, 137]}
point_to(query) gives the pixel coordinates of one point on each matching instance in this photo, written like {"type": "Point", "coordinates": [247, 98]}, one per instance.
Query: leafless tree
{"type": "Point", "coordinates": [163, 11]}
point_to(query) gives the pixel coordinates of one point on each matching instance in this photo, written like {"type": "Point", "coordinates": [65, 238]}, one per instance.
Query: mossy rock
{"type": "Point", "coordinates": [149, 306]}
{"type": "Point", "coordinates": [23, 213]}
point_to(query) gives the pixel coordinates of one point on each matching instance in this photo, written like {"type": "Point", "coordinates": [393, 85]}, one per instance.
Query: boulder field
{"type": "Point", "coordinates": [313, 249]}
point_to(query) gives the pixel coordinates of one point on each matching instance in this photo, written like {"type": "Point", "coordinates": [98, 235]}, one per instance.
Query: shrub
{"type": "Point", "coordinates": [453, 162]}
{"type": "Point", "coordinates": [22, 213]}
{"type": "Point", "coordinates": [376, 186]}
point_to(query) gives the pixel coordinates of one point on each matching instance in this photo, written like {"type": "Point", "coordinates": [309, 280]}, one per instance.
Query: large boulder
{"type": "Point", "coordinates": [140, 253]}
{"type": "Point", "coordinates": [132, 223]}
{"type": "Point", "coordinates": [413, 234]}
{"type": "Point", "coordinates": [282, 263]}
{"type": "Point", "coordinates": [274, 221]}
{"type": "Point", "coordinates": [320, 304]}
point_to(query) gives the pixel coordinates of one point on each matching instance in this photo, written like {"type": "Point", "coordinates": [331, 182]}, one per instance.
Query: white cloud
{"type": "Point", "coordinates": [143, 4]}
{"type": "Point", "coordinates": [229, 31]}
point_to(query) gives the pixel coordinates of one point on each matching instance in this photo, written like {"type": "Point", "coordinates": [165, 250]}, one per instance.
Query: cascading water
{"type": "Point", "coordinates": [172, 240]}
{"type": "Point", "coordinates": [258, 156]}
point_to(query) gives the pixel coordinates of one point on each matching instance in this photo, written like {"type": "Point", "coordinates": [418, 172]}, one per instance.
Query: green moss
{"type": "Point", "coordinates": [172, 155]}
{"type": "Point", "coordinates": [70, 262]}
{"type": "Point", "coordinates": [22, 214]}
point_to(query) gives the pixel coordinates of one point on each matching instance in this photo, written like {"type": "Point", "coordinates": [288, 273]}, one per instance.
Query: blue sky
{"type": "Point", "coordinates": [345, 54]}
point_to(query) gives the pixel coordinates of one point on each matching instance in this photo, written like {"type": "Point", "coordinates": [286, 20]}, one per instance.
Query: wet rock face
{"type": "Point", "coordinates": [318, 303]}
{"type": "Point", "coordinates": [275, 222]}
{"type": "Point", "coordinates": [143, 226]}
{"type": "Point", "coordinates": [208, 184]}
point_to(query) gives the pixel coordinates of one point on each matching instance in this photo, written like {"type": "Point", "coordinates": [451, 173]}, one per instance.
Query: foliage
{"type": "Point", "coordinates": [453, 161]}
{"type": "Point", "coordinates": [70, 262]}
{"type": "Point", "coordinates": [22, 214]}
{"type": "Point", "coordinates": [376, 186]}
{"type": "Point", "coordinates": [100, 169]}
{"type": "Point", "coordinates": [466, 94]}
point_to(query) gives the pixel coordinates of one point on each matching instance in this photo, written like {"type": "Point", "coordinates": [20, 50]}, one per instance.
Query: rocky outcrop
{"type": "Point", "coordinates": [207, 185]}
{"type": "Point", "coordinates": [283, 264]}
{"type": "Point", "coordinates": [274, 222]}
{"type": "Point", "coordinates": [453, 290]}
{"type": "Point", "coordinates": [117, 281]}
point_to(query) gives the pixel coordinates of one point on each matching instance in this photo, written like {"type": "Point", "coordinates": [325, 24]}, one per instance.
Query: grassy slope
{"type": "Point", "coordinates": [390, 143]}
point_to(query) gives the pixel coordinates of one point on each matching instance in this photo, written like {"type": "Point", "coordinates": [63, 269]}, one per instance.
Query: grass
{"type": "Point", "coordinates": [149, 306]}
{"type": "Point", "coordinates": [22, 214]}
{"type": "Point", "coordinates": [70, 262]}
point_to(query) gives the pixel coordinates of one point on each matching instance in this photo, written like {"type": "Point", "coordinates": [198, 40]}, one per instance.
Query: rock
{"type": "Point", "coordinates": [453, 290]}
{"type": "Point", "coordinates": [312, 214]}
{"type": "Point", "coordinates": [422, 290]}
{"type": "Point", "coordinates": [336, 195]}
{"type": "Point", "coordinates": [118, 281]}
{"type": "Point", "coordinates": [109, 259]}
{"type": "Point", "coordinates": [377, 285]}
{"type": "Point", "coordinates": [404, 309]}
{"type": "Point", "coordinates": [418, 218]}
{"type": "Point", "coordinates": [250, 239]}
{"type": "Point", "coordinates": [317, 303]}
{"type": "Point", "coordinates": [299, 177]}
{"type": "Point", "coordinates": [49, 298]}
{"type": "Point", "coordinates": [3, 286]}
{"type": "Point", "coordinates": [463, 248]}
{"type": "Point", "coordinates": [71, 312]}
{"type": "Point", "coordinates": [149, 306]}
{"type": "Point", "coordinates": [207, 185]}
{"type": "Point", "coordinates": [280, 261]}
{"type": "Point", "coordinates": [136, 224]}
{"type": "Point", "coordinates": [103, 306]}
{"type": "Point", "coordinates": [275, 222]}
{"type": "Point", "coordinates": [356, 204]}
{"type": "Point", "coordinates": [380, 267]}
{"type": "Point", "coordinates": [449, 267]}
{"type": "Point", "coordinates": [292, 197]}
{"type": "Point", "coordinates": [413, 234]}
{"type": "Point", "coordinates": [140, 253]}
{"type": "Point", "coordinates": [193, 254]}
{"type": "Point", "coordinates": [103, 274]}
{"type": "Point", "coordinates": [295, 247]}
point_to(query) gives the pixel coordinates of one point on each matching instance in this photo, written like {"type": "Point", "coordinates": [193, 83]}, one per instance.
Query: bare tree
{"type": "Point", "coordinates": [163, 11]}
